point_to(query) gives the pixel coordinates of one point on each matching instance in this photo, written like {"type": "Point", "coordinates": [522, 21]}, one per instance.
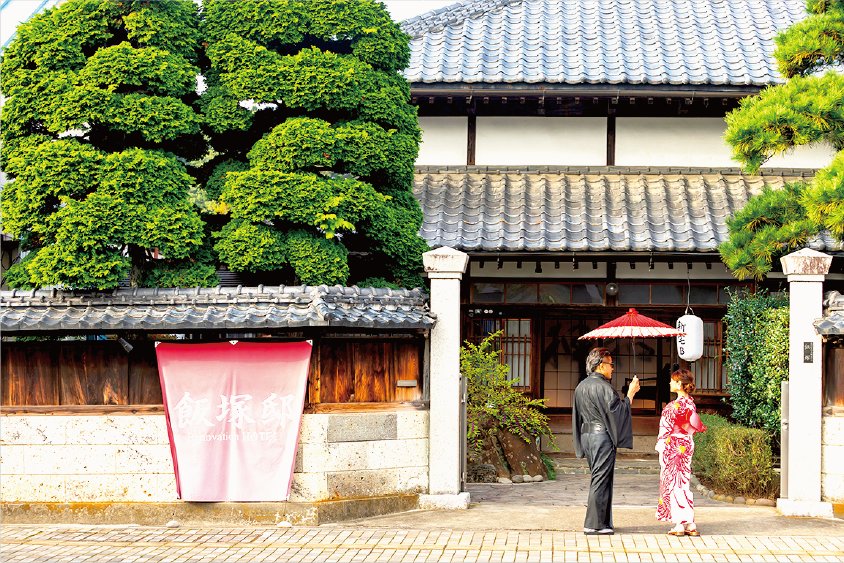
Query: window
{"type": "Point", "coordinates": [676, 294]}
{"type": "Point", "coordinates": [488, 293]}
{"type": "Point", "coordinates": [587, 293]}
{"type": "Point", "coordinates": [514, 344]}
{"type": "Point", "coordinates": [548, 293]}
{"type": "Point", "coordinates": [710, 370]}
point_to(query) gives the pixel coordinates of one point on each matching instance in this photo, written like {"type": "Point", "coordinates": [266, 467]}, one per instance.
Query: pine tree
{"type": "Point", "coordinates": [807, 109]}
{"type": "Point", "coordinates": [315, 141]}
{"type": "Point", "coordinates": [97, 123]}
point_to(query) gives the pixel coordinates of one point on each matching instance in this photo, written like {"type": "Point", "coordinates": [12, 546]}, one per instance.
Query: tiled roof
{"type": "Point", "coordinates": [486, 209]}
{"type": "Point", "coordinates": [679, 42]}
{"type": "Point", "coordinates": [240, 309]}
{"type": "Point", "coordinates": [833, 321]}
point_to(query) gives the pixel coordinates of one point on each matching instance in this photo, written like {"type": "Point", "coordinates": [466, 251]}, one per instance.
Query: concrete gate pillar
{"type": "Point", "coordinates": [445, 267]}
{"type": "Point", "coordinates": [806, 270]}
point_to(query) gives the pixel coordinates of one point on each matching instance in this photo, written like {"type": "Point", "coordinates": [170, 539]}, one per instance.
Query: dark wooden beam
{"type": "Point", "coordinates": [79, 410]}
{"type": "Point", "coordinates": [610, 140]}
{"type": "Point", "coordinates": [326, 408]}
{"type": "Point", "coordinates": [471, 139]}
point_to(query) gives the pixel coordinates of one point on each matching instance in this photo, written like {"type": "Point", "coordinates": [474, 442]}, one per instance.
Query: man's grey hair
{"type": "Point", "coordinates": [595, 357]}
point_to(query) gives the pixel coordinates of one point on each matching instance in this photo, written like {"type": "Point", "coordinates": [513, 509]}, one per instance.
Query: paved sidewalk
{"type": "Point", "coordinates": [134, 544]}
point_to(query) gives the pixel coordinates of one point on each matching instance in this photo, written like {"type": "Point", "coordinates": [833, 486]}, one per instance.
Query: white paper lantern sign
{"type": "Point", "coordinates": [690, 346]}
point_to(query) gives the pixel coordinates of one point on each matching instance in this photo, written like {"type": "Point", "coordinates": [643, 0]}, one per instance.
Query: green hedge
{"type": "Point", "coordinates": [734, 460]}
{"type": "Point", "coordinates": [756, 350]}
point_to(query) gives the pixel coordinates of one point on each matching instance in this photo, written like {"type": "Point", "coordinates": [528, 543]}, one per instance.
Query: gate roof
{"type": "Point", "coordinates": [232, 309]}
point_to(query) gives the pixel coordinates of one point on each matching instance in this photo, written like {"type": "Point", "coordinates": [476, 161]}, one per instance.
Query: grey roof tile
{"type": "Point", "coordinates": [694, 42]}
{"type": "Point", "coordinates": [482, 209]}
{"type": "Point", "coordinates": [241, 309]}
{"type": "Point", "coordinates": [832, 323]}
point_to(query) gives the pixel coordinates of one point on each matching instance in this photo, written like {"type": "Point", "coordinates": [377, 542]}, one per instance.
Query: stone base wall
{"type": "Point", "coordinates": [126, 458]}
{"type": "Point", "coordinates": [832, 459]}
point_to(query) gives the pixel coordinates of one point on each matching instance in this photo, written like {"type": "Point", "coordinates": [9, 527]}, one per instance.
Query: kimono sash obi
{"type": "Point", "coordinates": [689, 426]}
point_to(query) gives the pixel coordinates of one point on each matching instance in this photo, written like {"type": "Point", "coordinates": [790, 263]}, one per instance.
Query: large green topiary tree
{"type": "Point", "coordinates": [806, 110]}
{"type": "Point", "coordinates": [97, 123]}
{"type": "Point", "coordinates": [315, 141]}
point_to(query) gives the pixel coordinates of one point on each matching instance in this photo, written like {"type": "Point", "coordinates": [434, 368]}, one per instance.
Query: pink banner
{"type": "Point", "coordinates": [233, 412]}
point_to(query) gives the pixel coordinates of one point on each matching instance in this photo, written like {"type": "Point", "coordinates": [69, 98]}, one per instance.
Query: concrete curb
{"type": "Point", "coordinates": [205, 513]}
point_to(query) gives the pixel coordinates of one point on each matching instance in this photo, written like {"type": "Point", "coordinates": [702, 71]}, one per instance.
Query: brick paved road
{"type": "Point", "coordinates": [572, 490]}
{"type": "Point", "coordinates": [137, 545]}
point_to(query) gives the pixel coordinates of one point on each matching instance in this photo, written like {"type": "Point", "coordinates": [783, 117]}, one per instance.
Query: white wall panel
{"type": "Point", "coordinates": [671, 141]}
{"type": "Point", "coordinates": [444, 140]}
{"type": "Point", "coordinates": [694, 142]}
{"type": "Point", "coordinates": [803, 157]}
{"type": "Point", "coordinates": [563, 141]}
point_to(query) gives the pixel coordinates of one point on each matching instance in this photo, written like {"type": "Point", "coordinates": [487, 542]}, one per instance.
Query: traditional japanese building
{"type": "Point", "coordinates": [574, 150]}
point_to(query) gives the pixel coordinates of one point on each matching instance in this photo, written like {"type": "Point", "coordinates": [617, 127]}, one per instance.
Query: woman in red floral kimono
{"type": "Point", "coordinates": [675, 445]}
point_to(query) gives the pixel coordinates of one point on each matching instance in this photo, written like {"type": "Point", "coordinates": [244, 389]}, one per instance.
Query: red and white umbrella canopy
{"type": "Point", "coordinates": [633, 325]}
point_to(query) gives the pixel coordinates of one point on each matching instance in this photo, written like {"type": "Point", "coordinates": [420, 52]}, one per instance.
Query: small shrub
{"type": "Point", "coordinates": [492, 402]}
{"type": "Point", "coordinates": [552, 467]}
{"type": "Point", "coordinates": [734, 459]}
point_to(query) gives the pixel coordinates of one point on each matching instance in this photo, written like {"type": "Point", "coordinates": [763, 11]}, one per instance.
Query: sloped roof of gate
{"type": "Point", "coordinates": [832, 323]}
{"type": "Point", "coordinates": [233, 309]}
{"type": "Point", "coordinates": [677, 42]}
{"type": "Point", "coordinates": [545, 209]}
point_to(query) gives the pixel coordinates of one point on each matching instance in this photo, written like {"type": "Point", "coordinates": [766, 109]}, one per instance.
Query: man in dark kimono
{"type": "Point", "coordinates": [601, 423]}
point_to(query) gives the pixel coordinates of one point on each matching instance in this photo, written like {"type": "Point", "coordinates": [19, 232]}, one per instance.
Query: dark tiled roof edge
{"type": "Point", "coordinates": [225, 309]}
{"type": "Point", "coordinates": [609, 170]}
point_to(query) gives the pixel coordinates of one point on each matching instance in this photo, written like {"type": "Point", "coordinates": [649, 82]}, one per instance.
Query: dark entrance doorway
{"type": "Point", "coordinates": [563, 356]}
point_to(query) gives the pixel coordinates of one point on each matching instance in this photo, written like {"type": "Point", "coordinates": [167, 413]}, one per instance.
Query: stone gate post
{"type": "Point", "coordinates": [806, 270]}
{"type": "Point", "coordinates": [445, 267]}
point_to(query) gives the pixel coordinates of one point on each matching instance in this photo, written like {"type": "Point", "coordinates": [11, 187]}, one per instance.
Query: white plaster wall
{"type": "Point", "coordinates": [803, 157]}
{"type": "Point", "coordinates": [563, 141]}
{"type": "Point", "coordinates": [693, 142]}
{"type": "Point", "coordinates": [444, 140]}
{"type": "Point", "coordinates": [671, 141]}
{"type": "Point", "coordinates": [832, 459]}
{"type": "Point", "coordinates": [566, 270]}
{"type": "Point", "coordinates": [127, 459]}
{"type": "Point", "coordinates": [680, 271]}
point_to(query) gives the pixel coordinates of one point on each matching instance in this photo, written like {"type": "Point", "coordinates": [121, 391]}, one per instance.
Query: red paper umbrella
{"type": "Point", "coordinates": [633, 325]}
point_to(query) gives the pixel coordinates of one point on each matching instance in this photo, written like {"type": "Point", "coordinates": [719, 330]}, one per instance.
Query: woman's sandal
{"type": "Point", "coordinates": [692, 531]}
{"type": "Point", "coordinates": [677, 531]}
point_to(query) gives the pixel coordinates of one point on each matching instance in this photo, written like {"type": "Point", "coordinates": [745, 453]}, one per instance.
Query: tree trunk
{"type": "Point", "coordinates": [137, 258]}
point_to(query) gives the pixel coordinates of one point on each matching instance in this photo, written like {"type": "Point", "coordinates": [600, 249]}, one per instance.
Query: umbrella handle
{"type": "Point", "coordinates": [634, 356]}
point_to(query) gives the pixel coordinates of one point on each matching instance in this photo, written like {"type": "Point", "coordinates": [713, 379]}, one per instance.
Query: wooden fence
{"type": "Point", "coordinates": [90, 373]}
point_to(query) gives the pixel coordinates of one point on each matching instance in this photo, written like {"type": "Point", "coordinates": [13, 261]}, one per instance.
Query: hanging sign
{"type": "Point", "coordinates": [690, 345]}
{"type": "Point", "coordinates": [233, 412]}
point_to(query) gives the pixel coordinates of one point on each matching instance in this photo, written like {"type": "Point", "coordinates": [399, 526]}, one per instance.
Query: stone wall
{"type": "Point", "coordinates": [126, 458]}
{"type": "Point", "coordinates": [832, 459]}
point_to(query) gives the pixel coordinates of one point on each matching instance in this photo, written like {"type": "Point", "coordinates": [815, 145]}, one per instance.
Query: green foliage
{"type": "Point", "coordinates": [330, 139]}
{"type": "Point", "coordinates": [769, 368]}
{"type": "Point", "coordinates": [771, 225]}
{"type": "Point", "coordinates": [303, 143]}
{"type": "Point", "coordinates": [733, 459]}
{"type": "Point", "coordinates": [552, 467]}
{"type": "Point", "coordinates": [378, 283]}
{"type": "Point", "coordinates": [757, 358]}
{"type": "Point", "coordinates": [492, 402]}
{"type": "Point", "coordinates": [96, 119]}
{"type": "Point", "coordinates": [807, 110]}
